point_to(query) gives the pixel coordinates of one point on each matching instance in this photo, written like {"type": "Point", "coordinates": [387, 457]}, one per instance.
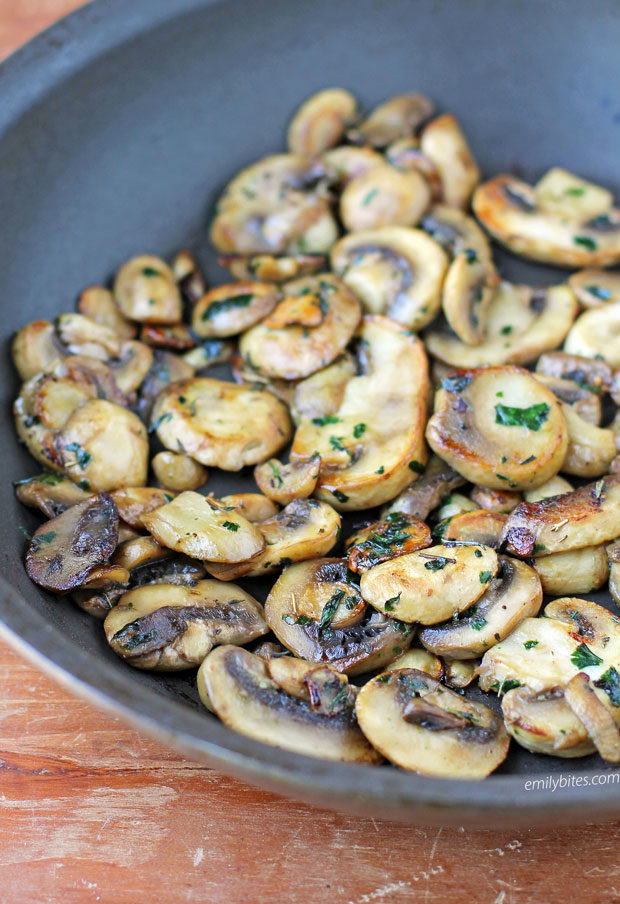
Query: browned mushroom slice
{"type": "Point", "coordinates": [138, 551]}
{"type": "Point", "coordinates": [544, 723]}
{"type": "Point", "coordinates": [589, 622]}
{"type": "Point", "coordinates": [243, 372]}
{"type": "Point", "coordinates": [501, 501]}
{"type": "Point", "coordinates": [50, 493]}
{"type": "Point", "coordinates": [306, 528]}
{"type": "Point", "coordinates": [253, 506]}
{"type": "Point", "coordinates": [577, 571]}
{"type": "Point", "coordinates": [134, 502]}
{"type": "Point", "coordinates": [384, 196]}
{"type": "Point", "coordinates": [275, 206]}
{"type": "Point", "coordinates": [594, 333]}
{"type": "Point", "coordinates": [397, 117]}
{"type": "Point", "coordinates": [435, 483]}
{"type": "Point", "coordinates": [372, 447]}
{"type": "Point", "coordinates": [572, 235]}
{"type": "Point", "coordinates": [283, 483]}
{"type": "Point", "coordinates": [189, 276]}
{"type": "Point", "coordinates": [232, 308]}
{"type": "Point", "coordinates": [421, 725]}
{"type": "Point", "coordinates": [177, 337]}
{"type": "Point", "coordinates": [394, 271]}
{"type": "Point", "coordinates": [238, 687]}
{"type": "Point", "coordinates": [63, 552]}
{"type": "Point", "coordinates": [320, 395]}
{"type": "Point", "coordinates": [597, 716]}
{"type": "Point", "coordinates": [296, 351]}
{"type": "Point", "coordinates": [145, 290]}
{"type": "Point", "coordinates": [584, 402]}
{"type": "Point", "coordinates": [201, 527]}
{"type": "Point", "coordinates": [35, 349]}
{"type": "Point", "coordinates": [178, 472]}
{"type": "Point", "coordinates": [553, 487]}
{"type": "Point", "coordinates": [445, 144]}
{"type": "Point", "coordinates": [431, 585]}
{"type": "Point", "coordinates": [521, 324]}
{"type": "Point", "coordinates": [418, 659]}
{"type": "Point", "coordinates": [613, 556]}
{"type": "Point", "coordinates": [592, 373]}
{"type": "Point", "coordinates": [270, 269]}
{"type": "Point", "coordinates": [587, 516]}
{"type": "Point", "coordinates": [346, 162]}
{"type": "Point", "coordinates": [320, 122]}
{"type": "Point", "coordinates": [395, 536]}
{"type": "Point", "coordinates": [92, 374]}
{"type": "Point", "coordinates": [220, 424]}
{"type": "Point", "coordinates": [460, 673]}
{"type": "Point", "coordinates": [133, 365]}
{"type": "Point", "coordinates": [105, 445]}
{"type": "Point", "coordinates": [209, 352]}
{"type": "Point", "coordinates": [104, 576]}
{"type": "Point", "coordinates": [478, 526]}
{"type": "Point", "coordinates": [166, 368]}
{"type": "Point", "coordinates": [405, 153]}
{"type": "Point", "coordinates": [499, 427]}
{"type": "Point", "coordinates": [167, 627]}
{"type": "Point", "coordinates": [79, 335]}
{"type": "Point", "coordinates": [370, 642]}
{"type": "Point", "coordinates": [513, 595]}
{"type": "Point", "coordinates": [595, 287]}
{"type": "Point", "coordinates": [99, 305]}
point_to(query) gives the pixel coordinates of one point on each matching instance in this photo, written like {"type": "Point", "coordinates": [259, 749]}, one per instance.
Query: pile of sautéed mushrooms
{"type": "Point", "coordinates": [423, 456]}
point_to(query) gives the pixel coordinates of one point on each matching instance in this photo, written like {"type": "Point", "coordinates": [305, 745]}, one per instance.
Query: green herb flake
{"type": "Point", "coordinates": [368, 197]}
{"type": "Point", "coordinates": [45, 538]}
{"type": "Point", "coordinates": [530, 643]}
{"type": "Point", "coordinates": [586, 242]}
{"type": "Point", "coordinates": [533, 417]}
{"type": "Point", "coordinates": [505, 330]}
{"type": "Point", "coordinates": [478, 622]}
{"type": "Point", "coordinates": [610, 683]}
{"type": "Point", "coordinates": [276, 472]}
{"type": "Point", "coordinates": [455, 382]}
{"type": "Point", "coordinates": [323, 421]}
{"type": "Point", "coordinates": [485, 577]}
{"type": "Point", "coordinates": [539, 547]}
{"type": "Point", "coordinates": [393, 601]}
{"type": "Point", "coordinates": [599, 292]}
{"type": "Point", "coordinates": [574, 192]}
{"type": "Point", "coordinates": [227, 304]}
{"type": "Point", "coordinates": [380, 470]}
{"type": "Point", "coordinates": [417, 467]}
{"type": "Point", "coordinates": [160, 420]}
{"type": "Point", "coordinates": [583, 657]}
{"type": "Point", "coordinates": [82, 456]}
{"type": "Point", "coordinates": [330, 607]}
{"type": "Point", "coordinates": [149, 272]}
{"type": "Point", "coordinates": [436, 564]}
{"type": "Point", "coordinates": [230, 525]}
{"type": "Point", "coordinates": [336, 443]}
{"type": "Point", "coordinates": [84, 484]}
{"type": "Point", "coordinates": [383, 679]}
{"type": "Point", "coordinates": [471, 255]}
{"type": "Point", "coordinates": [478, 553]}
{"type": "Point", "coordinates": [341, 497]}
{"type": "Point", "coordinates": [358, 430]}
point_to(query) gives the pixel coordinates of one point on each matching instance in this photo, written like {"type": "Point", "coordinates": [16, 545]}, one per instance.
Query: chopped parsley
{"type": "Point", "coordinates": [610, 683]}
{"type": "Point", "coordinates": [530, 643]}
{"type": "Point", "coordinates": [393, 601]}
{"type": "Point", "coordinates": [160, 420]}
{"type": "Point", "coordinates": [150, 271]}
{"type": "Point", "coordinates": [456, 382]}
{"type": "Point", "coordinates": [599, 292]}
{"type": "Point", "coordinates": [230, 525]}
{"type": "Point", "coordinates": [533, 417]}
{"type": "Point", "coordinates": [586, 242]}
{"type": "Point", "coordinates": [81, 455]}
{"type": "Point", "coordinates": [358, 430]}
{"type": "Point", "coordinates": [417, 467]}
{"type": "Point", "coordinates": [323, 421]}
{"type": "Point", "coordinates": [485, 577]}
{"type": "Point", "coordinates": [227, 304]}
{"type": "Point", "coordinates": [583, 657]}
{"type": "Point", "coordinates": [276, 473]}
{"type": "Point", "coordinates": [368, 197]}
{"type": "Point", "coordinates": [341, 497]}
{"type": "Point", "coordinates": [336, 443]}
{"type": "Point", "coordinates": [478, 622]}
{"type": "Point", "coordinates": [539, 547]}
{"type": "Point", "coordinates": [471, 255]}
{"type": "Point", "coordinates": [505, 330]}
{"type": "Point", "coordinates": [330, 607]}
{"type": "Point", "coordinates": [380, 470]}
{"type": "Point", "coordinates": [436, 564]}
{"type": "Point", "coordinates": [383, 679]}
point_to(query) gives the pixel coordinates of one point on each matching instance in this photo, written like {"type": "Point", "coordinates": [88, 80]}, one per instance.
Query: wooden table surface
{"type": "Point", "coordinates": [93, 811]}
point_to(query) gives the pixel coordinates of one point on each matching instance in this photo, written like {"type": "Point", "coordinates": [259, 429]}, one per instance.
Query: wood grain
{"type": "Point", "coordinates": [93, 811]}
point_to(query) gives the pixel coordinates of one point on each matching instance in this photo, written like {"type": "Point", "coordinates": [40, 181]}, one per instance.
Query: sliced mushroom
{"type": "Point", "coordinates": [421, 725]}
{"type": "Point", "coordinates": [296, 351]}
{"type": "Point", "coordinates": [167, 627]}
{"type": "Point", "coordinates": [145, 290]}
{"type": "Point", "coordinates": [208, 353]}
{"type": "Point", "coordinates": [522, 219]}
{"type": "Point", "coordinates": [596, 715]}
{"type": "Point", "coordinates": [421, 660]}
{"type": "Point", "coordinates": [91, 375]}
{"type": "Point", "coordinates": [419, 499]}
{"type": "Point", "coordinates": [267, 268]}
{"type": "Point", "coordinates": [283, 483]}
{"type": "Point", "coordinates": [253, 506]}
{"type": "Point", "coordinates": [587, 516]}
{"type": "Point", "coordinates": [34, 349]}
{"type": "Point", "coordinates": [275, 206]}
{"type": "Point", "coordinates": [321, 121]}
{"type": "Point", "coordinates": [219, 423]}
{"type": "Point", "coordinates": [589, 622]}
{"type": "Point", "coordinates": [613, 557]}
{"type": "Point", "coordinates": [585, 403]}
{"type": "Point", "coordinates": [500, 501]}
{"type": "Point", "coordinates": [596, 333]}
{"type": "Point", "coordinates": [478, 526]}
{"type": "Point", "coordinates": [50, 493]}
{"type": "Point", "coordinates": [544, 723]}
{"type": "Point", "coordinates": [138, 551]}
{"type": "Point", "coordinates": [63, 552]}
{"type": "Point", "coordinates": [189, 276]}
{"type": "Point", "coordinates": [372, 447]}
{"type": "Point", "coordinates": [589, 373]}
{"type": "Point", "coordinates": [178, 472]}
{"type": "Point", "coordinates": [455, 504]}
{"type": "Point", "coordinates": [432, 585]}
{"type": "Point", "coordinates": [232, 308]}
{"type": "Point", "coordinates": [499, 427]}
{"type": "Point", "coordinates": [513, 595]}
{"type": "Point", "coordinates": [320, 395]}
{"type": "Point", "coordinates": [177, 337]}
{"type": "Point", "coordinates": [369, 643]}
{"type": "Point", "coordinates": [384, 196]}
{"type": "Point", "coordinates": [459, 673]}
{"type": "Point", "coordinates": [238, 687]}
{"type": "Point", "coordinates": [99, 305]}
{"type": "Point", "coordinates": [302, 310]}
{"type": "Point", "coordinates": [105, 445]}
{"type": "Point", "coordinates": [471, 278]}
{"type": "Point", "coordinates": [444, 143]}
{"type": "Point", "coordinates": [405, 154]}
{"type": "Point", "coordinates": [134, 502]}
{"type": "Point", "coordinates": [133, 365]}
{"type": "Point", "coordinates": [577, 571]}
{"type": "Point", "coordinates": [201, 527]}
{"type": "Point", "coordinates": [393, 271]}
{"type": "Point", "coordinates": [303, 530]}
{"type": "Point", "coordinates": [346, 162]}
{"type": "Point", "coordinates": [165, 369]}
{"type": "Point", "coordinates": [243, 372]}
{"type": "Point", "coordinates": [595, 287]}
{"type": "Point", "coordinates": [555, 486]}
{"type": "Point", "coordinates": [79, 335]}
{"type": "Point", "coordinates": [590, 449]}
{"type": "Point", "coordinates": [521, 324]}
{"type": "Point", "coordinates": [398, 117]}
{"type": "Point", "coordinates": [383, 540]}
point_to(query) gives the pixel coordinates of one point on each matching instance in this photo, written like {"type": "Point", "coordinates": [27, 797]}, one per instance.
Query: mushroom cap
{"type": "Point", "coordinates": [499, 427]}
{"type": "Point", "coordinates": [241, 691]}
{"type": "Point", "coordinates": [232, 308]}
{"type": "Point", "coordinates": [398, 117]}
{"type": "Point", "coordinates": [423, 726]}
{"type": "Point", "coordinates": [577, 571]}
{"type": "Point", "coordinates": [145, 290]}
{"type": "Point", "coordinates": [443, 142]}
{"type": "Point", "coordinates": [544, 723]}
{"type": "Point", "coordinates": [320, 122]}
{"type": "Point", "coordinates": [384, 196]}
